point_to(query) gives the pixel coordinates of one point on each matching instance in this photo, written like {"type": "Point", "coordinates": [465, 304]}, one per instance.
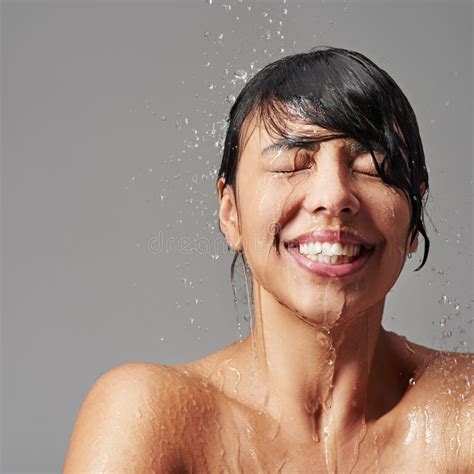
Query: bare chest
{"type": "Point", "coordinates": [238, 445]}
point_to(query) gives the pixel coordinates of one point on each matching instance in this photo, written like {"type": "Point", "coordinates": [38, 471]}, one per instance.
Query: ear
{"type": "Point", "coordinates": [414, 244]}
{"type": "Point", "coordinates": [422, 188]}
{"type": "Point", "coordinates": [228, 216]}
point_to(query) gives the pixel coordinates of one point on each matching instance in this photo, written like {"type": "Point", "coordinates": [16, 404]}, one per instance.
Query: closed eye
{"type": "Point", "coordinates": [375, 175]}
{"type": "Point", "coordinates": [290, 171]}
{"type": "Point", "coordinates": [301, 162]}
{"type": "Point", "coordinates": [363, 158]}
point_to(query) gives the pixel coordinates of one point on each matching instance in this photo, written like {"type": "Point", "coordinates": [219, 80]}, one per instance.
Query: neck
{"type": "Point", "coordinates": [315, 379]}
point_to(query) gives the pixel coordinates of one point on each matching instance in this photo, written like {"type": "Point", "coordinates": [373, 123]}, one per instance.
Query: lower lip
{"type": "Point", "coordinates": [324, 269]}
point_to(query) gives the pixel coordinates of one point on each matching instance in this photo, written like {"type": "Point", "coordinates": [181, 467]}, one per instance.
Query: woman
{"type": "Point", "coordinates": [321, 192]}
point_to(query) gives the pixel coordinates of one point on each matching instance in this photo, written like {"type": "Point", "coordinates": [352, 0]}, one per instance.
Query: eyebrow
{"type": "Point", "coordinates": [288, 143]}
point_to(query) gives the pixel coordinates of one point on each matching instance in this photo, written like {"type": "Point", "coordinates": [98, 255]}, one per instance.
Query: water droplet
{"type": "Point", "coordinates": [412, 381]}
{"type": "Point", "coordinates": [162, 339]}
{"type": "Point", "coordinates": [220, 35]}
{"type": "Point", "coordinates": [211, 86]}
{"type": "Point", "coordinates": [240, 74]}
{"type": "Point", "coordinates": [230, 99]}
{"type": "Point", "coordinates": [206, 35]}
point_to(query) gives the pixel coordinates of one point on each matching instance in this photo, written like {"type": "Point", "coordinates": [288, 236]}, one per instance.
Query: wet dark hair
{"type": "Point", "coordinates": [347, 94]}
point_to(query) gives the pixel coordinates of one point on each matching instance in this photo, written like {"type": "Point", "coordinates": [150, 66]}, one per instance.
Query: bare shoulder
{"type": "Point", "coordinates": [134, 418]}
{"type": "Point", "coordinates": [441, 404]}
{"type": "Point", "coordinates": [436, 373]}
{"type": "Point", "coordinates": [448, 375]}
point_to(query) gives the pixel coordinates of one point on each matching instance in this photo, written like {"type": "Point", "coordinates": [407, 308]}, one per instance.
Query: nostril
{"type": "Point", "coordinates": [344, 210]}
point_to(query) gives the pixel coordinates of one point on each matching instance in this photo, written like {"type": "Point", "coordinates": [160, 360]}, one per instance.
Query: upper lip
{"type": "Point", "coordinates": [330, 235]}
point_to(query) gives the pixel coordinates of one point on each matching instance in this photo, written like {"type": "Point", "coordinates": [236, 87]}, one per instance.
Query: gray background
{"type": "Point", "coordinates": [112, 121]}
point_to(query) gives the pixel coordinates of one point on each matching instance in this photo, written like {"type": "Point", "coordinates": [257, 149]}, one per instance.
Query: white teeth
{"type": "Point", "coordinates": [329, 249]}
{"type": "Point", "coordinates": [329, 260]}
{"type": "Point", "coordinates": [337, 249]}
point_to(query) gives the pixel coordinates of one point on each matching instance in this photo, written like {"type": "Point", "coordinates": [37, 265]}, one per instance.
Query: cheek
{"type": "Point", "coordinates": [272, 197]}
{"type": "Point", "coordinates": [392, 217]}
{"type": "Point", "coordinates": [266, 198]}
{"type": "Point", "coordinates": [262, 215]}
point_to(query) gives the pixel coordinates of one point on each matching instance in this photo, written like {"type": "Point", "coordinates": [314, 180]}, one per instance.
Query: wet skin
{"type": "Point", "coordinates": [319, 386]}
{"type": "Point", "coordinates": [197, 417]}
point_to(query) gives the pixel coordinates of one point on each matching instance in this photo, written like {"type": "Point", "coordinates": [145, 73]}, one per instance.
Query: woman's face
{"type": "Point", "coordinates": [283, 195]}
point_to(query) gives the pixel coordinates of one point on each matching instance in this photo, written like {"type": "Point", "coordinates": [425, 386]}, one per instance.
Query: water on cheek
{"type": "Point", "coordinates": [272, 200]}
{"type": "Point", "coordinates": [393, 215]}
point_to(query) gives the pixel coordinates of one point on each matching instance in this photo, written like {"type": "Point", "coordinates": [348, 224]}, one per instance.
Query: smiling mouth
{"type": "Point", "coordinates": [330, 253]}
{"type": "Point", "coordinates": [334, 259]}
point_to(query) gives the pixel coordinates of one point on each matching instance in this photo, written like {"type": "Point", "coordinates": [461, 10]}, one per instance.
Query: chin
{"type": "Point", "coordinates": [328, 307]}
{"type": "Point", "coordinates": [324, 319]}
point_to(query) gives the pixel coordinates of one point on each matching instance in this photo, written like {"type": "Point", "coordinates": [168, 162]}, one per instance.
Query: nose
{"type": "Point", "coordinates": [329, 190]}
